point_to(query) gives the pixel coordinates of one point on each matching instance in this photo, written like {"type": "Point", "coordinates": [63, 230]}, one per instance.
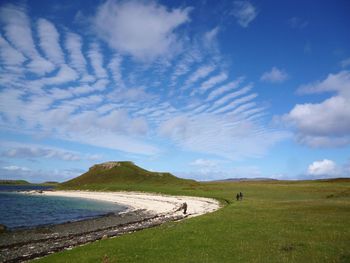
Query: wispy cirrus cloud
{"type": "Point", "coordinates": [245, 12]}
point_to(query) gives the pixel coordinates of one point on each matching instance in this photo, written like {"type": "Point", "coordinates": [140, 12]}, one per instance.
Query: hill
{"type": "Point", "coordinates": [124, 176]}
{"type": "Point", "coordinates": [53, 183]}
{"type": "Point", "coordinates": [246, 179]}
{"type": "Point", "coordinates": [14, 182]}
{"type": "Point", "coordinates": [335, 180]}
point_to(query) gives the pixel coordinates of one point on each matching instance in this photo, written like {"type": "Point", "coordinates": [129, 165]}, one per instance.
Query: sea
{"type": "Point", "coordinates": [21, 211]}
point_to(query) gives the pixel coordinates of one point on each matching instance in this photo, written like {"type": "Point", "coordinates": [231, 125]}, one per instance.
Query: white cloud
{"type": "Point", "coordinates": [9, 55]}
{"type": "Point", "coordinates": [99, 85]}
{"type": "Point", "coordinates": [224, 89]}
{"type": "Point", "coordinates": [242, 109]}
{"type": "Point", "coordinates": [115, 67]}
{"type": "Point", "coordinates": [345, 63]}
{"type": "Point", "coordinates": [125, 100]}
{"type": "Point", "coordinates": [200, 73]}
{"type": "Point", "coordinates": [317, 141]}
{"type": "Point", "coordinates": [96, 59]}
{"type": "Point", "coordinates": [232, 105]}
{"type": "Point", "coordinates": [324, 124]}
{"type": "Point", "coordinates": [211, 36]}
{"type": "Point", "coordinates": [275, 75]}
{"type": "Point", "coordinates": [339, 82]}
{"type": "Point", "coordinates": [323, 168]}
{"type": "Point", "coordinates": [225, 99]}
{"type": "Point", "coordinates": [212, 135]}
{"type": "Point", "coordinates": [119, 121]}
{"type": "Point", "coordinates": [37, 151]}
{"type": "Point", "coordinates": [330, 117]}
{"type": "Point", "coordinates": [49, 41]}
{"type": "Point", "coordinates": [132, 95]}
{"type": "Point", "coordinates": [184, 65]}
{"type": "Point", "coordinates": [16, 168]}
{"type": "Point", "coordinates": [244, 12]}
{"type": "Point", "coordinates": [40, 66]}
{"type": "Point", "coordinates": [17, 28]}
{"type": "Point", "coordinates": [110, 140]}
{"type": "Point", "coordinates": [84, 126]}
{"type": "Point", "coordinates": [208, 84]}
{"type": "Point", "coordinates": [74, 47]}
{"type": "Point", "coordinates": [18, 32]}
{"type": "Point", "coordinates": [64, 75]}
{"type": "Point", "coordinates": [40, 152]}
{"type": "Point", "coordinates": [143, 29]}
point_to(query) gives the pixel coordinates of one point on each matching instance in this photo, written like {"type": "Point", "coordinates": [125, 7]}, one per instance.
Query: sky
{"type": "Point", "coordinates": [205, 90]}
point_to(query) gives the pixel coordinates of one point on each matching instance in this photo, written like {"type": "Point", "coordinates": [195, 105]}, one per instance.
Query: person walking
{"type": "Point", "coordinates": [237, 197]}
{"type": "Point", "coordinates": [184, 206]}
{"type": "Point", "coordinates": [240, 196]}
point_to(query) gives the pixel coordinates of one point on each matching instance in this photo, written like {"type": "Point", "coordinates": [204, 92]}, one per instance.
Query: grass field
{"type": "Point", "coordinates": [276, 222]}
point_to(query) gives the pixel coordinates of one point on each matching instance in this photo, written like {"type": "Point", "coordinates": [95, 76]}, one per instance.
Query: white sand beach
{"type": "Point", "coordinates": [153, 203]}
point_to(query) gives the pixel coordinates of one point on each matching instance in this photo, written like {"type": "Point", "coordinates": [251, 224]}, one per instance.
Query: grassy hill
{"type": "Point", "coordinates": [14, 182]}
{"type": "Point", "coordinates": [126, 176]}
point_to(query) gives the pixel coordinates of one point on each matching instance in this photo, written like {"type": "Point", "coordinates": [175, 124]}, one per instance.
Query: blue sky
{"type": "Point", "coordinates": [202, 89]}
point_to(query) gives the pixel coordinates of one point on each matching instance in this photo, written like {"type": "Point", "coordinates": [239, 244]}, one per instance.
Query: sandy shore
{"type": "Point", "coordinates": [153, 203]}
{"type": "Point", "coordinates": [144, 211]}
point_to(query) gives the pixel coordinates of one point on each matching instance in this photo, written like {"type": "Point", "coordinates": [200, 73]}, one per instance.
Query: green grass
{"type": "Point", "coordinates": [276, 222]}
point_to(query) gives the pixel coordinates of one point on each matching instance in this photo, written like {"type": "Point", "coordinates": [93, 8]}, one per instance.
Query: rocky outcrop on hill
{"type": "Point", "coordinates": [107, 165]}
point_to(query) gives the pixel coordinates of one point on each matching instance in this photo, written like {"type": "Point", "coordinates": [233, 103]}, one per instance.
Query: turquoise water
{"type": "Point", "coordinates": [18, 210]}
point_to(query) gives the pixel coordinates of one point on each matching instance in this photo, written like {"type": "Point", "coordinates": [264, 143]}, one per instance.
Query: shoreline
{"type": "Point", "coordinates": [144, 211]}
{"type": "Point", "coordinates": [151, 202]}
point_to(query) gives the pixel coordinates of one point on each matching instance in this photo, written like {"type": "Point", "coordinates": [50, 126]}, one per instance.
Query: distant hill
{"type": "Point", "coordinates": [330, 180]}
{"type": "Point", "coordinates": [21, 182]}
{"type": "Point", "coordinates": [335, 180]}
{"type": "Point", "coordinates": [121, 175]}
{"type": "Point", "coordinates": [246, 179]}
{"type": "Point", "coordinates": [50, 183]}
